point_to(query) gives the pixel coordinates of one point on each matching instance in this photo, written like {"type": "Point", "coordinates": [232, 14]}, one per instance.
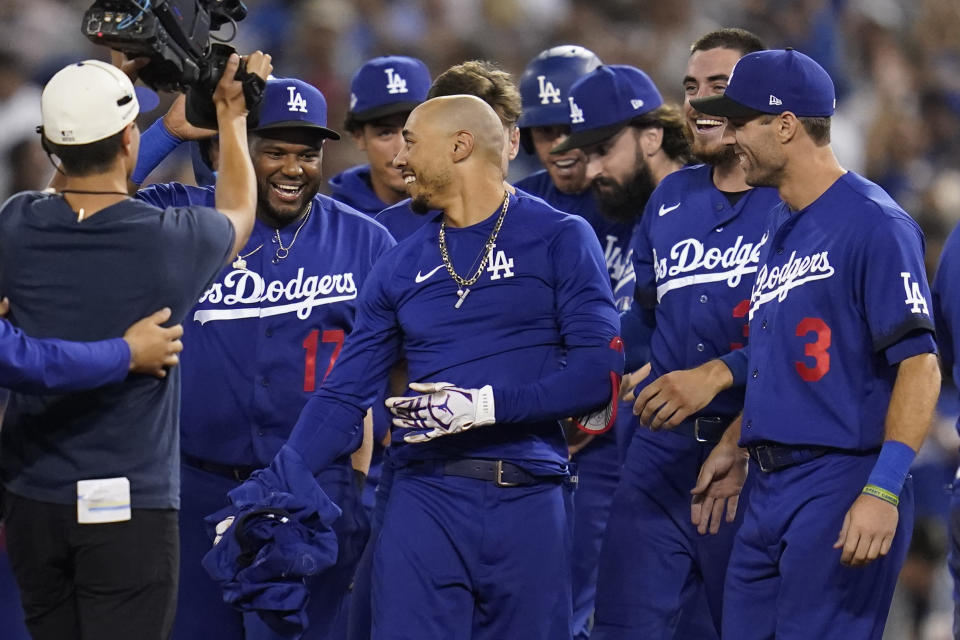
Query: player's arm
{"type": "Point", "coordinates": [720, 482]}
{"type": "Point", "coordinates": [894, 295]}
{"type": "Point", "coordinates": [360, 459]}
{"type": "Point", "coordinates": [236, 191]}
{"type": "Point", "coordinates": [870, 524]}
{"type": "Point", "coordinates": [675, 396]}
{"type": "Point", "coordinates": [35, 365]}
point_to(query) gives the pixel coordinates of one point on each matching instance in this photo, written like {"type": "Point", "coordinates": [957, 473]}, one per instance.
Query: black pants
{"type": "Point", "coordinates": [93, 581]}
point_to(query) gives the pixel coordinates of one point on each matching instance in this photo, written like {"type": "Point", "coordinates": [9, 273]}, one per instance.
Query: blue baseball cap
{"type": "Point", "coordinates": [773, 82]}
{"type": "Point", "coordinates": [604, 101]}
{"type": "Point", "coordinates": [545, 84]}
{"type": "Point", "coordinates": [292, 103]}
{"type": "Point", "coordinates": [388, 85]}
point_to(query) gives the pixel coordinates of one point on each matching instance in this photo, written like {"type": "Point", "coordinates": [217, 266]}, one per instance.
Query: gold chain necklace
{"type": "Point", "coordinates": [464, 284]}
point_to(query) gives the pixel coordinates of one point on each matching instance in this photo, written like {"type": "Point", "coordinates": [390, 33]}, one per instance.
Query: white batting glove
{"type": "Point", "coordinates": [443, 409]}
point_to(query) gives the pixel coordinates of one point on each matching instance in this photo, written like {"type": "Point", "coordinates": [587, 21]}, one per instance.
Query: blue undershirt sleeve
{"type": "Point", "coordinates": [636, 329]}
{"type": "Point", "coordinates": [156, 143]}
{"type": "Point", "coordinates": [590, 327]}
{"type": "Point", "coordinates": [35, 365]}
{"type": "Point", "coordinates": [737, 361]}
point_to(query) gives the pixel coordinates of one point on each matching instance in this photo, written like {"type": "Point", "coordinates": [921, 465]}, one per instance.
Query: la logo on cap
{"type": "Point", "coordinates": [548, 92]}
{"type": "Point", "coordinates": [576, 113]}
{"type": "Point", "coordinates": [395, 82]}
{"type": "Point", "coordinates": [296, 103]}
{"type": "Point", "coordinates": [636, 103]}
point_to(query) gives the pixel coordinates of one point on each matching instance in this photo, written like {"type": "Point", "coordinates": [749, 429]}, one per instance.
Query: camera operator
{"type": "Point", "coordinates": [91, 479]}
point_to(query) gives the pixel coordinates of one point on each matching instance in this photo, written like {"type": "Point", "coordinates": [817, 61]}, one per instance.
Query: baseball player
{"type": "Point", "coordinates": [841, 370]}
{"type": "Point", "coordinates": [262, 339]}
{"type": "Point", "coordinates": [91, 491]}
{"type": "Point", "coordinates": [473, 78]}
{"type": "Point", "coordinates": [474, 541]}
{"type": "Point", "coordinates": [382, 94]}
{"type": "Point", "coordinates": [692, 305]}
{"type": "Point", "coordinates": [545, 121]}
{"type": "Point", "coordinates": [947, 317]}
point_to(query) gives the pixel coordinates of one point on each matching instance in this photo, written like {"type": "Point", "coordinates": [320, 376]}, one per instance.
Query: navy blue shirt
{"type": "Point", "coordinates": [353, 187]}
{"type": "Point", "coordinates": [263, 337]}
{"type": "Point", "coordinates": [840, 297]}
{"type": "Point", "coordinates": [90, 280]}
{"type": "Point", "coordinates": [614, 237]}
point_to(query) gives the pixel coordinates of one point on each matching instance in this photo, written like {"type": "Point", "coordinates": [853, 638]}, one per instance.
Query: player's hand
{"type": "Point", "coordinates": [228, 96]}
{"type": "Point", "coordinates": [718, 486]}
{"type": "Point", "coordinates": [867, 531]}
{"type": "Point", "coordinates": [443, 409]}
{"type": "Point", "coordinates": [175, 120]}
{"type": "Point", "coordinates": [630, 381]}
{"type": "Point", "coordinates": [130, 67]}
{"type": "Point", "coordinates": [675, 396]}
{"type": "Point", "coordinates": [153, 346]}
{"type": "Point", "coordinates": [577, 439]}
{"type": "Point", "coordinates": [221, 529]}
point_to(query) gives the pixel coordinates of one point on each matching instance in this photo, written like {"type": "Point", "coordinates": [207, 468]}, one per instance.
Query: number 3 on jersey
{"type": "Point", "coordinates": [310, 345]}
{"type": "Point", "coordinates": [816, 349]}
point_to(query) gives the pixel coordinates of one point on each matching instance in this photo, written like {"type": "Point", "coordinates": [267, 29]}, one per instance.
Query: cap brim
{"type": "Point", "coordinates": [299, 124]}
{"type": "Point", "coordinates": [588, 137]}
{"type": "Point", "coordinates": [725, 107]}
{"type": "Point", "coordinates": [383, 111]}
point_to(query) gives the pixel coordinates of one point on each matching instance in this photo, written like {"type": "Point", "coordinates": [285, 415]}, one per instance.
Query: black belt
{"type": "Point", "coordinates": [502, 474]}
{"type": "Point", "coordinates": [703, 429]}
{"type": "Point", "coordinates": [238, 473]}
{"type": "Point", "coordinates": [773, 457]}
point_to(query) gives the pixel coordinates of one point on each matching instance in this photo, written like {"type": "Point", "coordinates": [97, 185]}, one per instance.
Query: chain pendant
{"type": "Point", "coordinates": [240, 264]}
{"type": "Point", "coordinates": [461, 296]}
{"type": "Point", "coordinates": [282, 252]}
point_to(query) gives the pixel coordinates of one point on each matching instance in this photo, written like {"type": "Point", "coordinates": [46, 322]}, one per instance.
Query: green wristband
{"type": "Point", "coordinates": [883, 494]}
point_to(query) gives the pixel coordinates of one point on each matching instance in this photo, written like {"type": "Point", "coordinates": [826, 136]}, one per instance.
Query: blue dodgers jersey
{"type": "Point", "coordinates": [261, 339]}
{"type": "Point", "coordinates": [694, 257]}
{"type": "Point", "coordinates": [543, 290]}
{"type": "Point", "coordinates": [841, 285]}
{"type": "Point", "coordinates": [353, 188]}
{"type": "Point", "coordinates": [614, 237]}
{"type": "Point", "coordinates": [946, 306]}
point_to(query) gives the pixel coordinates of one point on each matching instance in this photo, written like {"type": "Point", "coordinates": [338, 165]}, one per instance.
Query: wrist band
{"type": "Point", "coordinates": [883, 494]}
{"type": "Point", "coordinates": [890, 471]}
{"type": "Point", "coordinates": [156, 143]}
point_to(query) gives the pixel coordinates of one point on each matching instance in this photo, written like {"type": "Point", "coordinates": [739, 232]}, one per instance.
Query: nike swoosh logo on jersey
{"type": "Point", "coordinates": [664, 210]}
{"type": "Point", "coordinates": [420, 277]}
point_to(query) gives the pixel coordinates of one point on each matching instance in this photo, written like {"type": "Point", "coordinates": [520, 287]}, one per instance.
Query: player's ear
{"type": "Point", "coordinates": [788, 126]}
{"type": "Point", "coordinates": [463, 144]}
{"type": "Point", "coordinates": [651, 140]}
{"type": "Point", "coordinates": [514, 138]}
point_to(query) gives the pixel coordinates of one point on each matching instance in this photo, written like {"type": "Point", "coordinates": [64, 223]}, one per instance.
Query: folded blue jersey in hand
{"type": "Point", "coordinates": [281, 535]}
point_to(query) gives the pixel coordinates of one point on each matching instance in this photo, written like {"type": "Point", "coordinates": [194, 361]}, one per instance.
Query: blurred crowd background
{"type": "Point", "coordinates": [896, 65]}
